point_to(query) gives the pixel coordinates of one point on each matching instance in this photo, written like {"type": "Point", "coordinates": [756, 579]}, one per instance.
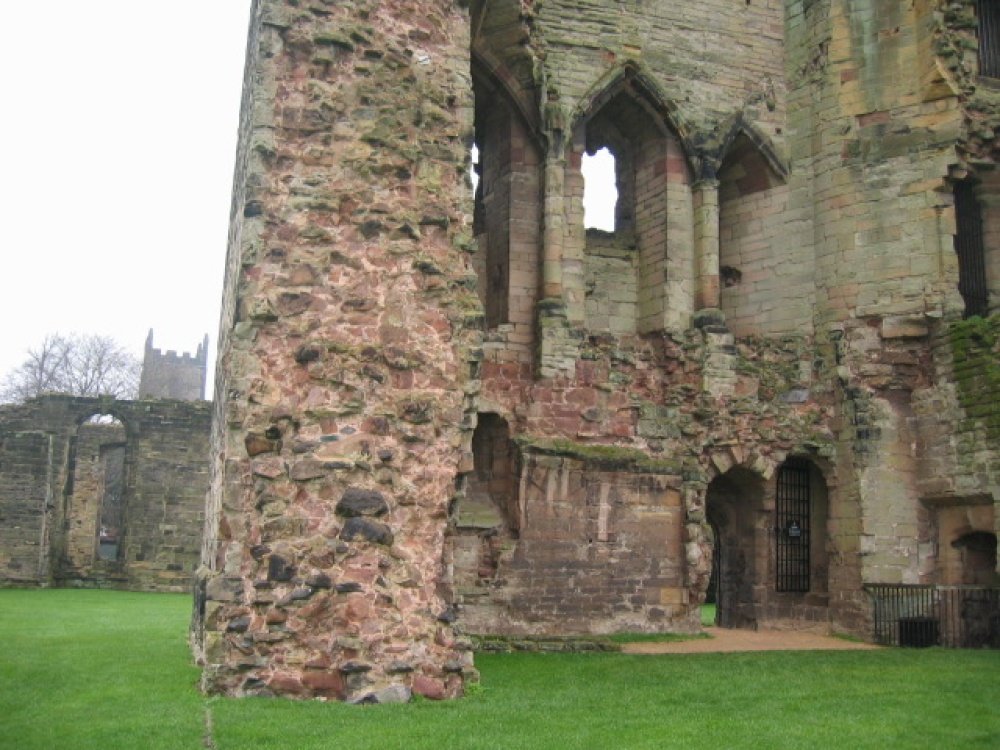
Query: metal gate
{"type": "Point", "coordinates": [921, 616]}
{"type": "Point", "coordinates": [792, 526]}
{"type": "Point", "coordinates": [988, 12]}
{"type": "Point", "coordinates": [969, 246]}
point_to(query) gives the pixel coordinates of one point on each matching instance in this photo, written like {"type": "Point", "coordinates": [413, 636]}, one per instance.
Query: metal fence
{"type": "Point", "coordinates": [922, 616]}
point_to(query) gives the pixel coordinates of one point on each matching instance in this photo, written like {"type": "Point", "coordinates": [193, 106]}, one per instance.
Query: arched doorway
{"type": "Point", "coordinates": [978, 552]}
{"type": "Point", "coordinates": [770, 558]}
{"type": "Point", "coordinates": [94, 496]}
{"type": "Point", "coordinates": [979, 610]}
{"type": "Point", "coordinates": [734, 505]}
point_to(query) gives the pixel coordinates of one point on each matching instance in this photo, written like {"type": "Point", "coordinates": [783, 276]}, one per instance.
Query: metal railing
{"type": "Point", "coordinates": [922, 616]}
{"type": "Point", "coordinates": [988, 13]}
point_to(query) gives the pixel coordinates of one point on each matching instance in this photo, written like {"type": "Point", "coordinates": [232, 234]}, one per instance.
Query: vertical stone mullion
{"type": "Point", "coordinates": [706, 239]}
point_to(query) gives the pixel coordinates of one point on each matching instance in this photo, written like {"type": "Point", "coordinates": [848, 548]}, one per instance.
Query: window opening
{"type": "Point", "coordinates": [103, 419]}
{"type": "Point", "coordinates": [110, 522]}
{"type": "Point", "coordinates": [971, 254]}
{"type": "Point", "coordinates": [474, 169]}
{"type": "Point", "coordinates": [792, 527]}
{"type": "Point", "coordinates": [988, 14]}
{"type": "Point", "coordinates": [600, 190]}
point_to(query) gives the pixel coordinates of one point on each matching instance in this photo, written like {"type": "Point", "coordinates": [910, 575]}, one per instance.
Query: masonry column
{"type": "Point", "coordinates": [706, 243]}
{"type": "Point", "coordinates": [555, 225]}
{"type": "Point", "coordinates": [556, 351]}
{"type": "Point", "coordinates": [348, 329]}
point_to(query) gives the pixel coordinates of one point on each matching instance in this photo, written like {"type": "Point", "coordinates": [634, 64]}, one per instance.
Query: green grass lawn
{"type": "Point", "coordinates": [91, 669]}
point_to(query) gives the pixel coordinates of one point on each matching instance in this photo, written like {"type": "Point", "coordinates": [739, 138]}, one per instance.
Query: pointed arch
{"type": "Point", "coordinates": [629, 273]}
{"type": "Point", "coordinates": [750, 175]}
{"type": "Point", "coordinates": [642, 87]}
{"type": "Point", "coordinates": [490, 73]}
{"type": "Point", "coordinates": [727, 136]}
{"type": "Point", "coordinates": [771, 514]}
{"type": "Point", "coordinates": [506, 217]}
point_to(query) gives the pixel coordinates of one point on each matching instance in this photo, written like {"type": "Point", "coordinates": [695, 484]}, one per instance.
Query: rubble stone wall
{"type": "Point", "coordinates": [344, 411]}
{"type": "Point", "coordinates": [55, 466]}
{"type": "Point", "coordinates": [26, 510]}
{"type": "Point", "coordinates": [440, 404]}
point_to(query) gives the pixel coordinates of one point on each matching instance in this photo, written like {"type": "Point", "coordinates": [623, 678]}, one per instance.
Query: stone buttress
{"type": "Point", "coordinates": [341, 402]}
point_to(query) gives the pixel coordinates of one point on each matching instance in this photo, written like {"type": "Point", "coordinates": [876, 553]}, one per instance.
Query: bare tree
{"type": "Point", "coordinates": [89, 365]}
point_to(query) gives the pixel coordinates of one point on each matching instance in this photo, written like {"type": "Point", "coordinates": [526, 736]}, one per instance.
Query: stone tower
{"type": "Point", "coordinates": [172, 375]}
{"type": "Point", "coordinates": [349, 347]}
{"type": "Point", "coordinates": [773, 380]}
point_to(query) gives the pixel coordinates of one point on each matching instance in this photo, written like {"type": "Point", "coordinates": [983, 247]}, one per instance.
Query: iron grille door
{"type": "Point", "coordinates": [969, 246]}
{"type": "Point", "coordinates": [988, 12]}
{"type": "Point", "coordinates": [792, 510]}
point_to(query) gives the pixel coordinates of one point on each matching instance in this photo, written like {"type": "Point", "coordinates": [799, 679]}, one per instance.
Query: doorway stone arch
{"type": "Point", "coordinates": [735, 509]}
{"type": "Point", "coordinates": [750, 527]}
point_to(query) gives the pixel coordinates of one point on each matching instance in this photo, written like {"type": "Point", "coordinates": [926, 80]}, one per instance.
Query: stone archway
{"type": "Point", "coordinates": [734, 505]}
{"type": "Point", "coordinates": [977, 551]}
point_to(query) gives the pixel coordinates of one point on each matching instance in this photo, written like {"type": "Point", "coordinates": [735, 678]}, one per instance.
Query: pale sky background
{"type": "Point", "coordinates": [118, 124]}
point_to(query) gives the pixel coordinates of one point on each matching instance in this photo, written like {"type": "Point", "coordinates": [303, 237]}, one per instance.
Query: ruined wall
{"type": "Point", "coordinates": [880, 127]}
{"type": "Point", "coordinates": [59, 470]}
{"type": "Point", "coordinates": [550, 430]}
{"type": "Point", "coordinates": [345, 357]}
{"type": "Point", "coordinates": [25, 507]}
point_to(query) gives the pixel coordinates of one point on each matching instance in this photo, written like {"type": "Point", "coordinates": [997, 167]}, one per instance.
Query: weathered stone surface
{"type": "Point", "coordinates": [429, 688]}
{"type": "Point", "coordinates": [335, 177]}
{"type": "Point", "coordinates": [105, 504]}
{"type": "Point", "coordinates": [359, 502]}
{"type": "Point", "coordinates": [365, 530]}
{"type": "Point", "coordinates": [564, 422]}
{"type": "Point", "coordinates": [279, 569]}
{"type": "Point", "coordinates": [391, 694]}
{"type": "Point", "coordinates": [319, 581]}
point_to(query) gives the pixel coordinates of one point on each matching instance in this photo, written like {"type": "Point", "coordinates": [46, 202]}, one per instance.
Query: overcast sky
{"type": "Point", "coordinates": [118, 125]}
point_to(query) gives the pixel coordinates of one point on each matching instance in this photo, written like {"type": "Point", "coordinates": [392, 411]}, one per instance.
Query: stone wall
{"type": "Point", "coordinates": [529, 428]}
{"type": "Point", "coordinates": [25, 475]}
{"type": "Point", "coordinates": [345, 357]}
{"type": "Point", "coordinates": [115, 501]}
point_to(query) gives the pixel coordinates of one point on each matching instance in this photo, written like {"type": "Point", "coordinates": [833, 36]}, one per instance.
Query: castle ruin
{"type": "Point", "coordinates": [172, 375]}
{"type": "Point", "coordinates": [773, 380]}
{"type": "Point", "coordinates": [102, 492]}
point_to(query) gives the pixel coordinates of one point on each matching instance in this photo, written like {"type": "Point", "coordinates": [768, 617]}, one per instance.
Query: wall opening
{"type": "Point", "coordinates": [978, 551]}
{"type": "Point", "coordinates": [506, 178]}
{"type": "Point", "coordinates": [487, 521]}
{"type": "Point", "coordinates": [969, 246]}
{"type": "Point", "coordinates": [600, 190]}
{"type": "Point", "coordinates": [474, 170]}
{"type": "Point", "coordinates": [800, 554]}
{"type": "Point", "coordinates": [712, 594]}
{"type": "Point", "coordinates": [734, 503]}
{"type": "Point", "coordinates": [111, 522]}
{"type": "Point", "coordinates": [625, 160]}
{"type": "Point", "coordinates": [988, 32]}
{"type": "Point", "coordinates": [94, 498]}
{"type": "Point", "coordinates": [793, 515]}
{"type": "Point", "coordinates": [748, 266]}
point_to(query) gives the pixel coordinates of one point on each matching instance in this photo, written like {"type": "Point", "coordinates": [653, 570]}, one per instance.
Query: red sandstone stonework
{"type": "Point", "coordinates": [439, 414]}
{"type": "Point", "coordinates": [343, 409]}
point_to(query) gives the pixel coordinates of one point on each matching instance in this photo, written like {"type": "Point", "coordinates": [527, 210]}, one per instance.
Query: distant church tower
{"type": "Point", "coordinates": [169, 375]}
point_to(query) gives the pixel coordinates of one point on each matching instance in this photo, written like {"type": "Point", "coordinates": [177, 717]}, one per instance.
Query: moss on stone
{"type": "Point", "coordinates": [975, 349]}
{"type": "Point", "coordinates": [602, 457]}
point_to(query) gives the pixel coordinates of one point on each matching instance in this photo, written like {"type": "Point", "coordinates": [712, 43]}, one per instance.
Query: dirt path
{"type": "Point", "coordinates": [727, 640]}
